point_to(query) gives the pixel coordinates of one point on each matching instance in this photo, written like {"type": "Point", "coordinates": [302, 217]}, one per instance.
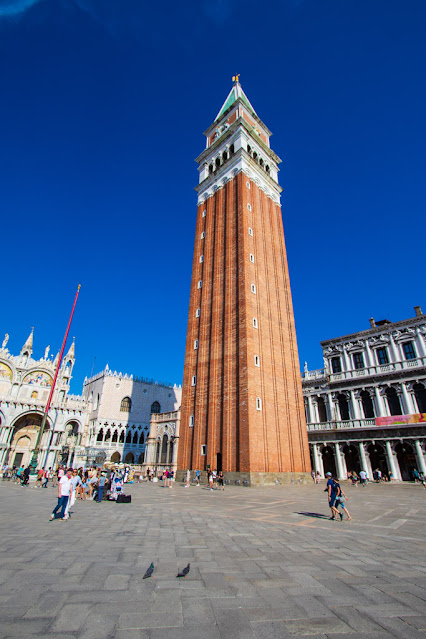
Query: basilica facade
{"type": "Point", "coordinates": [25, 384]}
{"type": "Point", "coordinates": [366, 409]}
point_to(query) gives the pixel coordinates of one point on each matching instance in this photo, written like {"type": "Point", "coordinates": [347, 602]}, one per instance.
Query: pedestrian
{"type": "Point", "coordinates": [166, 478]}
{"type": "Point", "coordinates": [341, 499]}
{"type": "Point", "coordinates": [46, 477]}
{"type": "Point", "coordinates": [214, 478]}
{"type": "Point", "coordinates": [331, 493]}
{"type": "Point", "coordinates": [197, 477]}
{"type": "Point", "coordinates": [188, 478]}
{"type": "Point", "coordinates": [40, 476]}
{"type": "Point", "coordinates": [75, 482]}
{"type": "Point", "coordinates": [26, 476]}
{"type": "Point", "coordinates": [416, 475]}
{"type": "Point", "coordinates": [171, 478]}
{"type": "Point", "coordinates": [210, 477]}
{"type": "Point", "coordinates": [363, 478]}
{"type": "Point", "coordinates": [318, 477]}
{"type": "Point", "coordinates": [101, 486]}
{"type": "Point", "coordinates": [313, 475]}
{"type": "Point", "coordinates": [64, 489]}
{"type": "Point", "coordinates": [221, 480]}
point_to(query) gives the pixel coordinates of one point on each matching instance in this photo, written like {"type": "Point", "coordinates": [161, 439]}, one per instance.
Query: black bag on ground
{"type": "Point", "coordinates": [124, 499]}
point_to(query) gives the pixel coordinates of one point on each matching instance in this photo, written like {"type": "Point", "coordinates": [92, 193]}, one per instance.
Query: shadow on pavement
{"type": "Point", "coordinates": [316, 515]}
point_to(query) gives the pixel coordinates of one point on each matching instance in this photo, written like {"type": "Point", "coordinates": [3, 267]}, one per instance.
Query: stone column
{"type": "Point", "coordinates": [408, 403]}
{"type": "Point", "coordinates": [393, 461]}
{"type": "Point", "coordinates": [370, 357]}
{"type": "Point", "coordinates": [160, 452]}
{"type": "Point", "coordinates": [168, 452]}
{"type": "Point", "coordinates": [346, 361]}
{"type": "Point", "coordinates": [318, 465]}
{"type": "Point", "coordinates": [314, 411]}
{"type": "Point", "coordinates": [420, 457]}
{"type": "Point", "coordinates": [381, 408]}
{"type": "Point", "coordinates": [340, 462]}
{"type": "Point", "coordinates": [310, 410]}
{"type": "Point", "coordinates": [355, 406]}
{"type": "Point", "coordinates": [337, 410]}
{"type": "Point", "coordinates": [365, 460]}
{"type": "Point", "coordinates": [420, 343]}
{"type": "Point", "coordinates": [394, 352]}
{"type": "Point", "coordinates": [330, 407]}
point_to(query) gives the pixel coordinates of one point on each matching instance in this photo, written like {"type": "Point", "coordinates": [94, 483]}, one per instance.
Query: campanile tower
{"type": "Point", "coordinates": [242, 405]}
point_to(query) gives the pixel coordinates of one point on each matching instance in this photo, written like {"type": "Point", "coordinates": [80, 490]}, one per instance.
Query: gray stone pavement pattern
{"type": "Point", "coordinates": [266, 563]}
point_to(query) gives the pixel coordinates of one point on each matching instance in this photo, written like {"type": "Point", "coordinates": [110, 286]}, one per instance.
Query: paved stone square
{"type": "Point", "coordinates": [266, 563]}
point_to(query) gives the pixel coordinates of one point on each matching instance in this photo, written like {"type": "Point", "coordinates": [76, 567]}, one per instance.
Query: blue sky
{"type": "Point", "coordinates": [103, 105]}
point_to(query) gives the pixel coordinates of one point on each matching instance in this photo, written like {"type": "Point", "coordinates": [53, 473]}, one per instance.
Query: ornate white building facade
{"type": "Point", "coordinates": [120, 408]}
{"type": "Point", "coordinates": [162, 442]}
{"type": "Point", "coordinates": [366, 409]}
{"type": "Point", "coordinates": [25, 385]}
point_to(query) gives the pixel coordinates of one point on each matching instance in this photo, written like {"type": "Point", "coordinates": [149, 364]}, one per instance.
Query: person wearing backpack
{"type": "Point", "coordinates": [331, 491]}
{"type": "Point", "coordinates": [46, 477]}
{"type": "Point", "coordinates": [340, 501]}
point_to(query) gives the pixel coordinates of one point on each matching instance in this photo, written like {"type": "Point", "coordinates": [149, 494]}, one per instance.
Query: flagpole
{"type": "Point", "coordinates": [52, 389]}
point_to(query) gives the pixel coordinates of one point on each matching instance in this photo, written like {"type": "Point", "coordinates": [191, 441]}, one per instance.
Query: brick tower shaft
{"type": "Point", "coordinates": [242, 404]}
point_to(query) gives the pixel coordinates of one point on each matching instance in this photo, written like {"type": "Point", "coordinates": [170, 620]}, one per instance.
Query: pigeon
{"type": "Point", "coordinates": [183, 572]}
{"type": "Point", "coordinates": [149, 572]}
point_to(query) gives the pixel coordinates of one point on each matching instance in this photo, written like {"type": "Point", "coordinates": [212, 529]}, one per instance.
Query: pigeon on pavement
{"type": "Point", "coordinates": [149, 572]}
{"type": "Point", "coordinates": [183, 572]}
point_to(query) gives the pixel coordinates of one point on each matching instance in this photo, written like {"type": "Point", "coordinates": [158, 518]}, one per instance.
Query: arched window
{"type": "Point", "coordinates": [129, 437]}
{"type": "Point", "coordinates": [164, 450]}
{"type": "Point", "coordinates": [344, 407]}
{"type": "Point", "coordinates": [155, 408]}
{"type": "Point", "coordinates": [126, 405]}
{"type": "Point", "coordinates": [217, 162]}
{"type": "Point", "coordinates": [114, 436]}
{"type": "Point", "coordinates": [420, 394]}
{"type": "Point", "coordinates": [100, 436]}
{"type": "Point", "coordinates": [135, 438]}
{"type": "Point", "coordinates": [122, 437]}
{"type": "Point", "coordinates": [231, 148]}
{"type": "Point", "coordinates": [225, 156]}
{"type": "Point", "coordinates": [210, 168]}
{"type": "Point", "coordinates": [108, 436]}
{"type": "Point", "coordinates": [393, 401]}
{"type": "Point", "coordinates": [141, 439]}
{"type": "Point", "coordinates": [367, 404]}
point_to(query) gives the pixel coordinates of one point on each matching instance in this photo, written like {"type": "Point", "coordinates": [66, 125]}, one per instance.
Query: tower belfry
{"type": "Point", "coordinates": [242, 405]}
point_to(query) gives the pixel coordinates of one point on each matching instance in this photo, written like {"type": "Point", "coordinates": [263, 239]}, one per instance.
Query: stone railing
{"type": "Point", "coordinates": [346, 425]}
{"type": "Point", "coordinates": [377, 370]}
{"type": "Point", "coordinates": [164, 417]}
{"type": "Point", "coordinates": [317, 374]}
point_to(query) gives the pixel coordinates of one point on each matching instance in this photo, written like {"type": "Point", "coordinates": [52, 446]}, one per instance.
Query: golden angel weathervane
{"type": "Point", "coordinates": [236, 78]}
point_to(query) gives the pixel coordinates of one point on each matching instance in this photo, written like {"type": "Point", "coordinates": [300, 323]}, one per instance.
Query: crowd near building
{"type": "Point", "coordinates": [117, 418]}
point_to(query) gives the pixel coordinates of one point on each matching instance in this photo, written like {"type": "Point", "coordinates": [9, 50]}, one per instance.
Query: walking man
{"type": "Point", "coordinates": [197, 477]}
{"type": "Point", "coordinates": [363, 478]}
{"type": "Point", "coordinates": [64, 489]}
{"type": "Point", "coordinates": [331, 492]}
{"type": "Point", "coordinates": [46, 477]}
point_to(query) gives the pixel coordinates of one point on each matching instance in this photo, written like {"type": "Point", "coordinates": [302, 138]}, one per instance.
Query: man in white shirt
{"type": "Point", "coordinates": [363, 478]}
{"type": "Point", "coordinates": [64, 489]}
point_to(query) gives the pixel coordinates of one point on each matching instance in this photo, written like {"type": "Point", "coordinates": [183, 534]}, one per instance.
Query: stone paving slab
{"type": "Point", "coordinates": [266, 563]}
